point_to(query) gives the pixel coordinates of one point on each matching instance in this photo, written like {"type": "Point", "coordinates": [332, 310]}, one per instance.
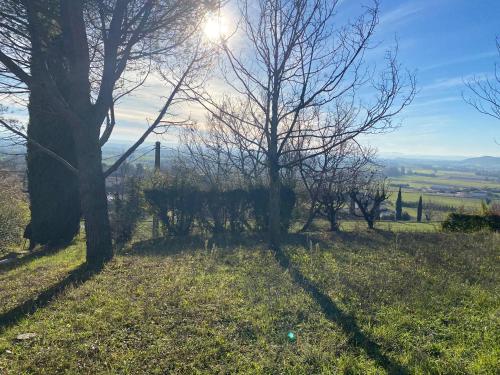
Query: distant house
{"type": "Point", "coordinates": [478, 194]}
{"type": "Point", "coordinates": [443, 188]}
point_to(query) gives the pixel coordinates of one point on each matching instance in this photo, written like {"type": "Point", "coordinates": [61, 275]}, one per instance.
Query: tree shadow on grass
{"type": "Point", "coordinates": [76, 277]}
{"type": "Point", "coordinates": [165, 246]}
{"type": "Point", "coordinates": [335, 314]}
{"type": "Point", "coordinates": [177, 245]}
{"type": "Point", "coordinates": [11, 263]}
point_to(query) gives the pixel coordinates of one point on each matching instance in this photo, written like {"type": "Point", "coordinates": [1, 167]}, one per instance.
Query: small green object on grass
{"type": "Point", "coordinates": [291, 336]}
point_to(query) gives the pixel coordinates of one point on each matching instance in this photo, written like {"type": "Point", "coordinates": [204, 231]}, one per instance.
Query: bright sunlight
{"type": "Point", "coordinates": [215, 27]}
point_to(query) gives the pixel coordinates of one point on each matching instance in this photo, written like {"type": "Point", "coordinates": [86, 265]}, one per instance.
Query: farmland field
{"type": "Point", "coordinates": [461, 190]}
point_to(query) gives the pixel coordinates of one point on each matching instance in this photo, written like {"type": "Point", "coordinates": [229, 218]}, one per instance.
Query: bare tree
{"type": "Point", "coordinates": [327, 179]}
{"type": "Point", "coordinates": [99, 44]}
{"type": "Point", "coordinates": [486, 92]}
{"type": "Point", "coordinates": [209, 156]}
{"type": "Point", "coordinates": [297, 68]}
{"type": "Point", "coordinates": [369, 192]}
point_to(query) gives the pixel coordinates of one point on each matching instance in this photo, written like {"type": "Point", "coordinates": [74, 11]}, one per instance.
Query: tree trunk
{"type": "Point", "coordinates": [311, 216]}
{"type": "Point", "coordinates": [274, 204]}
{"type": "Point", "coordinates": [370, 223]}
{"type": "Point", "coordinates": [53, 189]}
{"type": "Point", "coordinates": [332, 218]}
{"type": "Point", "coordinates": [93, 197]}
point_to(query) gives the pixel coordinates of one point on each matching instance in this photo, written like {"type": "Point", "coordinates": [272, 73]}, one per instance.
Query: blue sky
{"type": "Point", "coordinates": [445, 42]}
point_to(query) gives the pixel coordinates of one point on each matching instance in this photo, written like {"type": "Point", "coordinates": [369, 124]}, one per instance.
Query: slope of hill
{"type": "Point", "coordinates": [484, 161]}
{"type": "Point", "coordinates": [365, 303]}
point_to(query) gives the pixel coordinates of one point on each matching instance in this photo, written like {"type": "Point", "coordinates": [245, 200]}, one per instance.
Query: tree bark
{"type": "Point", "coordinates": [332, 218]}
{"type": "Point", "coordinates": [93, 197]}
{"type": "Point", "coordinates": [53, 189]}
{"type": "Point", "coordinates": [370, 223]}
{"type": "Point", "coordinates": [311, 215]}
{"type": "Point", "coordinates": [274, 204]}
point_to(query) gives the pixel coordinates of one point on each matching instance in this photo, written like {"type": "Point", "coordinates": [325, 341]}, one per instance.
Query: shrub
{"type": "Point", "coordinates": [471, 223]}
{"type": "Point", "coordinates": [405, 216]}
{"type": "Point", "coordinates": [14, 213]}
{"type": "Point", "coordinates": [180, 206]}
{"type": "Point", "coordinates": [176, 206]}
{"type": "Point", "coordinates": [126, 211]}
{"type": "Point", "coordinates": [259, 198]}
{"type": "Point", "coordinates": [237, 204]}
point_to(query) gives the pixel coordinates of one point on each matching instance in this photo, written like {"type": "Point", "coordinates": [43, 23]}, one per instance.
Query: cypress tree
{"type": "Point", "coordinates": [399, 206]}
{"type": "Point", "coordinates": [419, 210]}
{"type": "Point", "coordinates": [53, 189]}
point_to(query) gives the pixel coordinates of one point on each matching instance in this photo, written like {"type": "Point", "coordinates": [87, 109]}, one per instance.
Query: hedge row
{"type": "Point", "coordinates": [471, 223]}
{"type": "Point", "coordinates": [182, 207]}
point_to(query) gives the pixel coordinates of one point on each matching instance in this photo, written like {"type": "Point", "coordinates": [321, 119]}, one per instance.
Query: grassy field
{"type": "Point", "coordinates": [359, 303]}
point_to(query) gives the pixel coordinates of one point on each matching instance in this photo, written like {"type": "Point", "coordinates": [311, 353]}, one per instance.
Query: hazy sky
{"type": "Point", "coordinates": [444, 42]}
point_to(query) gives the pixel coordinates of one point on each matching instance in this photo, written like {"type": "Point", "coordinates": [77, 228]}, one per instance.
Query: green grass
{"type": "Point", "coordinates": [29, 279]}
{"type": "Point", "coordinates": [322, 225]}
{"type": "Point", "coordinates": [453, 180]}
{"type": "Point", "coordinates": [430, 300]}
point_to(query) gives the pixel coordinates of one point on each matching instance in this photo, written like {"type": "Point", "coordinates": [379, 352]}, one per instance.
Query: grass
{"type": "Point", "coordinates": [29, 279]}
{"type": "Point", "coordinates": [453, 180]}
{"type": "Point", "coordinates": [356, 226]}
{"type": "Point", "coordinates": [429, 300]}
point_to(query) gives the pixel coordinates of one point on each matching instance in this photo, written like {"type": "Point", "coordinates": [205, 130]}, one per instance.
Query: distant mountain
{"type": "Point", "coordinates": [484, 161]}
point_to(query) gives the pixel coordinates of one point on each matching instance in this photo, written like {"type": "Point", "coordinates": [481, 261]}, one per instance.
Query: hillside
{"type": "Point", "coordinates": [360, 303]}
{"type": "Point", "coordinates": [483, 162]}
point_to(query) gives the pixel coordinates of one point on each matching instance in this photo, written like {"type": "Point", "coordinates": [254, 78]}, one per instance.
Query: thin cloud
{"type": "Point", "coordinates": [447, 83]}
{"type": "Point", "coordinates": [479, 56]}
{"type": "Point", "coordinates": [400, 14]}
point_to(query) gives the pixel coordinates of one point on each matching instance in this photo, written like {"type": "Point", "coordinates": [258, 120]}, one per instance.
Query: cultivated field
{"type": "Point", "coordinates": [461, 190]}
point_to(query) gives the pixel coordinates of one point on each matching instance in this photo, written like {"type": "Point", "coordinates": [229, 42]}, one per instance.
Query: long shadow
{"type": "Point", "coordinates": [335, 314]}
{"type": "Point", "coordinates": [17, 262]}
{"type": "Point", "coordinates": [77, 276]}
{"type": "Point", "coordinates": [181, 244]}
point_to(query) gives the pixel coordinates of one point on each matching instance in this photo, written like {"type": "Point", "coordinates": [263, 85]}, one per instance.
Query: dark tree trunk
{"type": "Point", "coordinates": [370, 223]}
{"type": "Point", "coordinates": [310, 217]}
{"type": "Point", "coordinates": [85, 128]}
{"type": "Point", "coordinates": [93, 197]}
{"type": "Point", "coordinates": [332, 218]}
{"type": "Point", "coordinates": [274, 204]}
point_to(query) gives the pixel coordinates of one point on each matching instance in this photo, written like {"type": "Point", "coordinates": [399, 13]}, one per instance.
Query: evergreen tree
{"type": "Point", "coordinates": [419, 210]}
{"type": "Point", "coordinates": [53, 190]}
{"type": "Point", "coordinates": [399, 206]}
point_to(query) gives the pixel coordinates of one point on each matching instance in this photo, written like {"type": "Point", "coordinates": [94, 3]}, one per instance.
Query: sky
{"type": "Point", "coordinates": [445, 42]}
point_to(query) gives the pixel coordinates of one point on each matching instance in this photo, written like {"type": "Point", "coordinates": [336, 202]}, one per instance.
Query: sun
{"type": "Point", "coordinates": [215, 27]}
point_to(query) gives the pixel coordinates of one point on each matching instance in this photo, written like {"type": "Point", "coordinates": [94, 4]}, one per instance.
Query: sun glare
{"type": "Point", "coordinates": [215, 27]}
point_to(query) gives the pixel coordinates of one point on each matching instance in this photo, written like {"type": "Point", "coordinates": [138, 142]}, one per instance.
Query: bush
{"type": "Point", "coordinates": [179, 207]}
{"type": "Point", "coordinates": [176, 206]}
{"type": "Point", "coordinates": [405, 216]}
{"type": "Point", "coordinates": [126, 212]}
{"type": "Point", "coordinates": [259, 198]}
{"type": "Point", "coordinates": [471, 223]}
{"type": "Point", "coordinates": [14, 213]}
